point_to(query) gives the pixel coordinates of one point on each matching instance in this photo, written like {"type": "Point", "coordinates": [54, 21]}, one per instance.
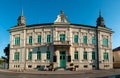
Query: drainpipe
{"type": "Point", "coordinates": [97, 47]}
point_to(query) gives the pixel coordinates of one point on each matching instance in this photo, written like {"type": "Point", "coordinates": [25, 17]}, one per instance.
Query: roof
{"type": "Point", "coordinates": [33, 25]}
{"type": "Point", "coordinates": [116, 49]}
{"type": "Point", "coordinates": [39, 24]}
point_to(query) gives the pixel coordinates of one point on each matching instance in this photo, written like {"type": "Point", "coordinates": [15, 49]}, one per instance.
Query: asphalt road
{"type": "Point", "coordinates": [60, 74]}
{"type": "Point", "coordinates": [24, 75]}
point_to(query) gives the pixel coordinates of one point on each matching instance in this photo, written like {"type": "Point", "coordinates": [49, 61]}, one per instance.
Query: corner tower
{"type": "Point", "coordinates": [21, 19]}
{"type": "Point", "coordinates": [100, 20]}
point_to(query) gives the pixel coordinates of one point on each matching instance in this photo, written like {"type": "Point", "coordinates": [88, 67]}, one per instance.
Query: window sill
{"type": "Point", "coordinates": [38, 60]}
{"type": "Point", "coordinates": [15, 60]}
{"type": "Point", "coordinates": [84, 60]}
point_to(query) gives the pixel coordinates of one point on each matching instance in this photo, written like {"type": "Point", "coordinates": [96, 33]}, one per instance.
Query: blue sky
{"type": "Point", "coordinates": [46, 11]}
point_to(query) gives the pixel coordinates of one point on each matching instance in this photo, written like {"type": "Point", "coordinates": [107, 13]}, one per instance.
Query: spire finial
{"type": "Point", "coordinates": [22, 13]}
{"type": "Point", "coordinates": [62, 11]}
{"type": "Point", "coordinates": [100, 13]}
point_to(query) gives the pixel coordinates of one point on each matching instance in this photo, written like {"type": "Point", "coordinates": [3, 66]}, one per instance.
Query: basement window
{"type": "Point", "coordinates": [29, 66]}
{"type": "Point", "coordinates": [85, 66]}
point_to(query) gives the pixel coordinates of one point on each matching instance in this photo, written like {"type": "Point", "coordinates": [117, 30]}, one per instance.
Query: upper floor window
{"type": "Point", "coordinates": [17, 41]}
{"type": "Point", "coordinates": [93, 40]}
{"type": "Point", "coordinates": [39, 39]}
{"type": "Point", "coordinates": [16, 55]}
{"type": "Point", "coordinates": [62, 37]}
{"type": "Point", "coordinates": [105, 41]}
{"type": "Point", "coordinates": [76, 55]}
{"type": "Point", "coordinates": [85, 39]}
{"type": "Point", "coordinates": [49, 38]}
{"type": "Point", "coordinates": [75, 38]}
{"type": "Point", "coordinates": [30, 39]}
{"type": "Point", "coordinates": [105, 56]}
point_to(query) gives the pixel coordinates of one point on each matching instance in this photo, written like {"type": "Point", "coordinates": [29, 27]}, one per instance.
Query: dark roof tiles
{"type": "Point", "coordinates": [116, 49]}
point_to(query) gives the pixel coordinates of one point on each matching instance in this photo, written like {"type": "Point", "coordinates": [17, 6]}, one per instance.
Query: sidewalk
{"type": "Point", "coordinates": [82, 73]}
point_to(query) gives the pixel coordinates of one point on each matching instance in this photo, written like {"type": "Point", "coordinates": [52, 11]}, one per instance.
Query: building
{"type": "Point", "coordinates": [116, 57]}
{"type": "Point", "coordinates": [60, 43]}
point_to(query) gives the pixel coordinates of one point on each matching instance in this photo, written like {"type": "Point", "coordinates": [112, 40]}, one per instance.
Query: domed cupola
{"type": "Point", "coordinates": [100, 20]}
{"type": "Point", "coordinates": [21, 20]}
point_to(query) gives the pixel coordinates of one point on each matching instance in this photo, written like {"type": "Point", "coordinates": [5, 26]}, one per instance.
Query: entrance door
{"type": "Point", "coordinates": [62, 59]}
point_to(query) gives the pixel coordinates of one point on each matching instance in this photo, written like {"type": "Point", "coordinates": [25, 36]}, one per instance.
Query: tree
{"type": "Point", "coordinates": [6, 51]}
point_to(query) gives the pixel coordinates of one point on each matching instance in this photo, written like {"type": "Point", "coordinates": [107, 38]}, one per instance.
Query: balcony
{"type": "Point", "coordinates": [61, 43]}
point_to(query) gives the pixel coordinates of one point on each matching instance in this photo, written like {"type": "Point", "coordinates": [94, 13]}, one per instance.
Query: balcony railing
{"type": "Point", "coordinates": [61, 42]}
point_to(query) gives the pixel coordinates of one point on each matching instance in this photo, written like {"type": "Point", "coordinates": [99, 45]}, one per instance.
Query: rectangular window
{"type": "Point", "coordinates": [17, 41]}
{"type": "Point", "coordinates": [48, 38]}
{"type": "Point", "coordinates": [93, 40]}
{"type": "Point", "coordinates": [93, 55]}
{"type": "Point", "coordinates": [69, 58]}
{"type": "Point", "coordinates": [48, 55]}
{"type": "Point", "coordinates": [105, 41]}
{"type": "Point", "coordinates": [39, 39]}
{"type": "Point", "coordinates": [29, 66]}
{"type": "Point", "coordinates": [38, 55]}
{"type": "Point", "coordinates": [30, 39]}
{"type": "Point", "coordinates": [85, 56]}
{"type": "Point", "coordinates": [29, 55]}
{"type": "Point", "coordinates": [105, 56]}
{"type": "Point", "coordinates": [85, 66]}
{"type": "Point", "coordinates": [76, 55]}
{"type": "Point", "coordinates": [62, 37]}
{"type": "Point", "coordinates": [16, 56]}
{"type": "Point", "coordinates": [85, 39]}
{"type": "Point", "coordinates": [75, 38]}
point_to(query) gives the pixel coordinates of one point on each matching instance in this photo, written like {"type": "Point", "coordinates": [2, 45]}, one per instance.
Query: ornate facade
{"type": "Point", "coordinates": [60, 43]}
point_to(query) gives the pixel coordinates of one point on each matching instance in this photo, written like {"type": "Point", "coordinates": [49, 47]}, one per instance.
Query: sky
{"type": "Point", "coordinates": [45, 11]}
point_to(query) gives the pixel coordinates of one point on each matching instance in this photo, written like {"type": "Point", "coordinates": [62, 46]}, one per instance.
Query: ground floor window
{"type": "Point", "coordinates": [16, 55]}
{"type": "Point", "coordinates": [38, 55]}
{"type": "Point", "coordinates": [48, 55]}
{"type": "Point", "coordinates": [54, 58]}
{"type": "Point", "coordinates": [76, 55]}
{"type": "Point", "coordinates": [93, 55]}
{"type": "Point", "coordinates": [85, 56]}
{"type": "Point", "coordinates": [105, 56]}
{"type": "Point", "coordinates": [29, 55]}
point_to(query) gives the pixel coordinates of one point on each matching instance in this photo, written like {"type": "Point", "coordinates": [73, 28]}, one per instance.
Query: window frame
{"type": "Point", "coordinates": [62, 37]}
{"type": "Point", "coordinates": [30, 41]}
{"type": "Point", "coordinates": [48, 38]}
{"type": "Point", "coordinates": [106, 56]}
{"type": "Point", "coordinates": [105, 41]}
{"type": "Point", "coordinates": [30, 55]}
{"type": "Point", "coordinates": [38, 55]}
{"type": "Point", "coordinates": [48, 55]}
{"type": "Point", "coordinates": [39, 38]}
{"type": "Point", "coordinates": [75, 38]}
{"type": "Point", "coordinates": [17, 56]}
{"type": "Point", "coordinates": [76, 55]}
{"type": "Point", "coordinates": [85, 55]}
{"type": "Point", "coordinates": [85, 39]}
{"type": "Point", "coordinates": [93, 55]}
{"type": "Point", "coordinates": [93, 40]}
{"type": "Point", "coordinates": [17, 41]}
